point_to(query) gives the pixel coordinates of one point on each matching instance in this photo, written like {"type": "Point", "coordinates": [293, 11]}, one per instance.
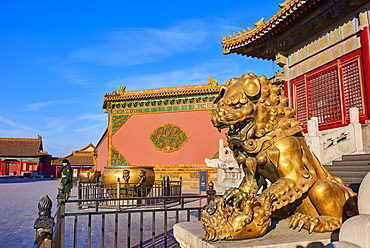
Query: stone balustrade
{"type": "Point", "coordinates": [329, 145]}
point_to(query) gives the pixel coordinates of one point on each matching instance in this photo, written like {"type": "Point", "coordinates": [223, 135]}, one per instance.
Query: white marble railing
{"type": "Point", "coordinates": [331, 144]}
{"type": "Point", "coordinates": [229, 173]}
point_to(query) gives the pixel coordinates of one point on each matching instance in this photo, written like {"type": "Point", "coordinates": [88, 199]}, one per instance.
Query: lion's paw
{"type": "Point", "coordinates": [300, 221]}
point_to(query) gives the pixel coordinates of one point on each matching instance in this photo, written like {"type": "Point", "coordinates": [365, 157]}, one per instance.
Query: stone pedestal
{"type": "Point", "coordinates": [355, 231]}
{"type": "Point", "coordinates": [191, 234]}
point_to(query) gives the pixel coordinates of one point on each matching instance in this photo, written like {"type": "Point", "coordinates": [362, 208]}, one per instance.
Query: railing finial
{"type": "Point", "coordinates": [211, 193]}
{"type": "Point", "coordinates": [44, 223]}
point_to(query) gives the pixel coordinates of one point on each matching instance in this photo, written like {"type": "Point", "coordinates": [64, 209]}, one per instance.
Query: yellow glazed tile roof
{"type": "Point", "coordinates": [21, 147]}
{"type": "Point", "coordinates": [211, 88]}
{"type": "Point", "coordinates": [288, 10]}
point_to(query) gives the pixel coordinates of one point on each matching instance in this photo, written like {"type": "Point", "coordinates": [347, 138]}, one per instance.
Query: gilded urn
{"type": "Point", "coordinates": [89, 175]}
{"type": "Point", "coordinates": [129, 176]}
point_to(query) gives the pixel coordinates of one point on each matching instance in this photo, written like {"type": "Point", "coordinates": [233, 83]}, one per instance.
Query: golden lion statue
{"type": "Point", "coordinates": [269, 144]}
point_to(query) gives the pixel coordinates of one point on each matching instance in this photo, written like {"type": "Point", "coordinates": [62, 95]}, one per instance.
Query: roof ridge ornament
{"type": "Point", "coordinates": [259, 23]}
{"type": "Point", "coordinates": [212, 82]}
{"type": "Point", "coordinates": [121, 89]}
{"type": "Point", "coordinates": [284, 4]}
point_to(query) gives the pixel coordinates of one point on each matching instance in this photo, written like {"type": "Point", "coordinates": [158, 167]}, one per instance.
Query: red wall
{"type": "Point", "coordinates": [102, 155]}
{"type": "Point", "coordinates": [132, 139]}
{"type": "Point", "coordinates": [48, 169]}
{"type": "Point", "coordinates": [14, 167]}
{"type": "Point", "coordinates": [17, 167]}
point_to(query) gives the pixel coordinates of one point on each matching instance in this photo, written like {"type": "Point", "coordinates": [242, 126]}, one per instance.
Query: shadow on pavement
{"type": "Point", "coordinates": [21, 179]}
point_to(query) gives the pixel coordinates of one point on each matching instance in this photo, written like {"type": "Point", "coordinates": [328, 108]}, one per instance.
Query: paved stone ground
{"type": "Point", "coordinates": [19, 198]}
{"type": "Point", "coordinates": [18, 210]}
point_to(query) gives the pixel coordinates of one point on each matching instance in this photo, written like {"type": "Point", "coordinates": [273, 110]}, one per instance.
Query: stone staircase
{"type": "Point", "coordinates": [352, 168]}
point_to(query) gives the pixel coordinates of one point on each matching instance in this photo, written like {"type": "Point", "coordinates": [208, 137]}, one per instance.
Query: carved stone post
{"type": "Point", "coordinates": [355, 122]}
{"type": "Point", "coordinates": [312, 138]}
{"type": "Point", "coordinates": [44, 223]}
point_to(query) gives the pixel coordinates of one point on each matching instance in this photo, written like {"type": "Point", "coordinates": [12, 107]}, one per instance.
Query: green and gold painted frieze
{"type": "Point", "coordinates": [117, 158]}
{"type": "Point", "coordinates": [118, 121]}
{"type": "Point", "coordinates": [21, 159]}
{"type": "Point", "coordinates": [161, 105]}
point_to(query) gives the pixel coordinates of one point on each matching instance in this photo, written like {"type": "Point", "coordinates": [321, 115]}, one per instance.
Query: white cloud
{"type": "Point", "coordinates": [59, 124]}
{"type": "Point", "coordinates": [133, 46]}
{"type": "Point", "coordinates": [11, 133]}
{"type": "Point", "coordinates": [92, 117]}
{"type": "Point", "coordinates": [86, 129]}
{"type": "Point", "coordinates": [73, 76]}
{"type": "Point", "coordinates": [9, 128]}
{"type": "Point", "coordinates": [40, 105]}
{"type": "Point", "coordinates": [190, 76]}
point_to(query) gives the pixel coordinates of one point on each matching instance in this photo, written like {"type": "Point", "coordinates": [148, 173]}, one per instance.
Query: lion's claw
{"type": "Point", "coordinates": [303, 221]}
{"type": "Point", "coordinates": [293, 223]}
{"type": "Point", "coordinates": [300, 225]}
{"type": "Point", "coordinates": [312, 226]}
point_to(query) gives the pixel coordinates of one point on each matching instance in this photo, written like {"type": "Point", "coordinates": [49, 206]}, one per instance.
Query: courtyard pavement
{"type": "Point", "coordinates": [19, 198]}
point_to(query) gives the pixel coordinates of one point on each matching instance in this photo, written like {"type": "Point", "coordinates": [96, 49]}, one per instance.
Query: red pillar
{"type": "Point", "coordinates": [288, 92]}
{"type": "Point", "coordinates": [365, 50]}
{"type": "Point", "coordinates": [2, 168]}
{"type": "Point", "coordinates": [20, 167]}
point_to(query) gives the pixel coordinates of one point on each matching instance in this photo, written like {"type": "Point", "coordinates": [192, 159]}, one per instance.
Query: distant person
{"type": "Point", "coordinates": [66, 177]}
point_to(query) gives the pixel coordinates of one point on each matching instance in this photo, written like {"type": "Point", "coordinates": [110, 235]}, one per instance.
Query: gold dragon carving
{"type": "Point", "coordinates": [268, 142]}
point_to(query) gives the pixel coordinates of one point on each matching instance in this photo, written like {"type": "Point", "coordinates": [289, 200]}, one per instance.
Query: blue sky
{"type": "Point", "coordinates": [59, 58]}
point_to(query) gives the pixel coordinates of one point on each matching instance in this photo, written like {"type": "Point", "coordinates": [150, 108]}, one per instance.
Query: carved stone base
{"type": "Point", "coordinates": [191, 235]}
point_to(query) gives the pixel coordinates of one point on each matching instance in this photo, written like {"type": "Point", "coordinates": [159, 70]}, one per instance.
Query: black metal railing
{"type": "Point", "coordinates": [88, 190]}
{"type": "Point", "coordinates": [139, 227]}
{"type": "Point", "coordinates": [59, 228]}
{"type": "Point", "coordinates": [121, 227]}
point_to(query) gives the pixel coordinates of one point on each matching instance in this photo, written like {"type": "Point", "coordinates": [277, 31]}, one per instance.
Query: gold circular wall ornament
{"type": "Point", "coordinates": [168, 138]}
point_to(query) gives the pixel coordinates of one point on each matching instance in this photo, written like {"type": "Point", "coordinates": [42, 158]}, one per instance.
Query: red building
{"type": "Point", "coordinates": [20, 155]}
{"type": "Point", "coordinates": [81, 160]}
{"type": "Point", "coordinates": [324, 50]}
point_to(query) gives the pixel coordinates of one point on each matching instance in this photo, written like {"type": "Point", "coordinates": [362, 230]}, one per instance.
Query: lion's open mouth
{"type": "Point", "coordinates": [237, 130]}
